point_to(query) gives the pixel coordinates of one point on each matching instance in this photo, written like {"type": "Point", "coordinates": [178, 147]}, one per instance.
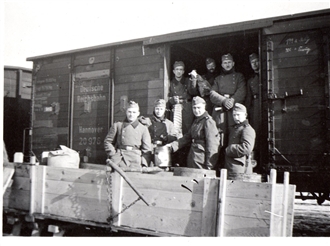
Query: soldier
{"type": "Point", "coordinates": [161, 130]}
{"type": "Point", "coordinates": [241, 143]}
{"type": "Point", "coordinates": [229, 87]}
{"type": "Point", "coordinates": [206, 81]}
{"type": "Point", "coordinates": [203, 137]}
{"type": "Point", "coordinates": [181, 92]}
{"type": "Point", "coordinates": [252, 99]}
{"type": "Point", "coordinates": [128, 143]}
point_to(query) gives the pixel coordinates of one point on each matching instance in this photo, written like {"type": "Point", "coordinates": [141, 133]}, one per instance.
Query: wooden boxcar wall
{"type": "Point", "coordinates": [79, 95]}
{"type": "Point", "coordinates": [17, 108]}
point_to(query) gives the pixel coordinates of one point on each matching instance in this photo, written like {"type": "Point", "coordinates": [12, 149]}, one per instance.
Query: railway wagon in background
{"type": "Point", "coordinates": [78, 94]}
{"type": "Point", "coordinates": [17, 86]}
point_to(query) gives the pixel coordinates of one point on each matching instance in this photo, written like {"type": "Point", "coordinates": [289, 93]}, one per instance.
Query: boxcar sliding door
{"type": "Point", "coordinates": [91, 105]}
{"type": "Point", "coordinates": [298, 103]}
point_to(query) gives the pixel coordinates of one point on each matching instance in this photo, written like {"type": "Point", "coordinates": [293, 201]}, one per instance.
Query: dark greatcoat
{"type": "Point", "coordinates": [240, 145]}
{"type": "Point", "coordinates": [162, 130]}
{"type": "Point", "coordinates": [231, 84]}
{"type": "Point", "coordinates": [129, 144]}
{"type": "Point", "coordinates": [204, 139]}
{"type": "Point", "coordinates": [186, 91]}
{"type": "Point", "coordinates": [205, 88]}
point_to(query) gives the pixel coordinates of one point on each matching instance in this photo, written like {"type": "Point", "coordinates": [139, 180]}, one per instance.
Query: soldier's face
{"type": "Point", "coordinates": [255, 65]}
{"type": "Point", "coordinates": [199, 109]}
{"type": "Point", "coordinates": [132, 114]}
{"type": "Point", "coordinates": [239, 117]}
{"type": "Point", "coordinates": [178, 71]}
{"type": "Point", "coordinates": [159, 111]}
{"type": "Point", "coordinates": [211, 67]}
{"type": "Point", "coordinates": [227, 65]}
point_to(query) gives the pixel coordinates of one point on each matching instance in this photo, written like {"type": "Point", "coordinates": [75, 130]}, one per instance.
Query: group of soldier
{"type": "Point", "coordinates": [207, 126]}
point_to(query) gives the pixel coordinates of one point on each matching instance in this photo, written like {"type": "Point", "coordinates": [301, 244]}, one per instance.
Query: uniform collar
{"type": "Point", "coordinates": [134, 123]}
{"type": "Point", "coordinates": [205, 115]}
{"type": "Point", "coordinates": [244, 123]}
{"type": "Point", "coordinates": [155, 118]}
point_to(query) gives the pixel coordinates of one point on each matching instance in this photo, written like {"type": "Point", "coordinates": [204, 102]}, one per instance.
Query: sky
{"type": "Point", "coordinates": [32, 28]}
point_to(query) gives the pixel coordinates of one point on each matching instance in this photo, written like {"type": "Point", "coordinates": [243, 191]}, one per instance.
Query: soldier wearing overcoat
{"type": "Point", "coordinates": [203, 137]}
{"type": "Point", "coordinates": [241, 143]}
{"type": "Point", "coordinates": [128, 143]}
{"type": "Point", "coordinates": [229, 87]}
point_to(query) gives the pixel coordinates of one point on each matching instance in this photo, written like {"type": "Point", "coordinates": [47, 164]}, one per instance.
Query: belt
{"type": "Point", "coordinates": [127, 147]}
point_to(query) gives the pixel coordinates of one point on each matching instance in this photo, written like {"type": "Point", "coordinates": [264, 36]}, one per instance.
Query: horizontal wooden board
{"type": "Point", "coordinates": [248, 190]}
{"type": "Point", "coordinates": [173, 221]}
{"type": "Point", "coordinates": [22, 170]}
{"type": "Point", "coordinates": [236, 226]}
{"type": "Point", "coordinates": [164, 199]}
{"type": "Point", "coordinates": [21, 183]}
{"type": "Point", "coordinates": [135, 50]}
{"type": "Point", "coordinates": [93, 67]}
{"type": "Point", "coordinates": [248, 208]}
{"type": "Point", "coordinates": [16, 199]}
{"type": "Point", "coordinates": [93, 57]}
{"type": "Point", "coordinates": [137, 77]}
{"type": "Point", "coordinates": [76, 207]}
{"type": "Point", "coordinates": [144, 68]}
{"type": "Point", "coordinates": [76, 175]}
{"type": "Point", "coordinates": [136, 61]}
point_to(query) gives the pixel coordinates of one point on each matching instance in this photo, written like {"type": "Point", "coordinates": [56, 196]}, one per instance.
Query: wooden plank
{"type": "Point", "coordinates": [165, 199]}
{"type": "Point", "coordinates": [210, 206]}
{"type": "Point", "coordinates": [38, 178]}
{"type": "Point", "coordinates": [177, 222]}
{"type": "Point", "coordinates": [249, 190]}
{"type": "Point", "coordinates": [138, 69]}
{"type": "Point", "coordinates": [16, 199]}
{"type": "Point", "coordinates": [21, 183]}
{"type": "Point", "coordinates": [274, 218]}
{"type": "Point", "coordinates": [22, 170]}
{"type": "Point", "coordinates": [8, 173]}
{"type": "Point", "coordinates": [134, 61]}
{"type": "Point", "coordinates": [137, 77]}
{"type": "Point", "coordinates": [222, 203]}
{"type": "Point", "coordinates": [236, 226]}
{"type": "Point", "coordinates": [81, 208]}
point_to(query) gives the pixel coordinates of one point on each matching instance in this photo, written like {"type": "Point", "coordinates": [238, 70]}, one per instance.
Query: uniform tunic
{"type": "Point", "coordinates": [205, 94]}
{"type": "Point", "coordinates": [162, 130]}
{"type": "Point", "coordinates": [204, 139]}
{"type": "Point", "coordinates": [240, 145]}
{"type": "Point", "coordinates": [129, 144]}
{"type": "Point", "coordinates": [186, 91]}
{"type": "Point", "coordinates": [230, 85]}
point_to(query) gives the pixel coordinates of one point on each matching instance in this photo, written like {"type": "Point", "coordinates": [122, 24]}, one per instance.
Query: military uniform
{"type": "Point", "coordinates": [204, 139]}
{"type": "Point", "coordinates": [185, 90]}
{"type": "Point", "coordinates": [230, 85]}
{"type": "Point", "coordinates": [129, 144]}
{"type": "Point", "coordinates": [240, 145]}
{"type": "Point", "coordinates": [162, 131]}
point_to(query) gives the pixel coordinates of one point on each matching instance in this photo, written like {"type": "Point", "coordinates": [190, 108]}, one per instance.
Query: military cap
{"type": "Point", "coordinates": [209, 61]}
{"type": "Point", "coordinates": [253, 56]}
{"type": "Point", "coordinates": [198, 100]}
{"type": "Point", "coordinates": [227, 57]}
{"type": "Point", "coordinates": [133, 104]}
{"type": "Point", "coordinates": [239, 108]}
{"type": "Point", "coordinates": [178, 64]}
{"type": "Point", "coordinates": [160, 103]}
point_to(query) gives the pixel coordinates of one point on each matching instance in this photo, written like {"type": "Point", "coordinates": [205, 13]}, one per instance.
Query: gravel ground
{"type": "Point", "coordinates": [311, 219]}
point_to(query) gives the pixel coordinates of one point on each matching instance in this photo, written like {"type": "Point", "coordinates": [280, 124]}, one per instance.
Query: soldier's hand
{"type": "Point", "coordinates": [199, 78]}
{"type": "Point", "coordinates": [176, 99]}
{"type": "Point", "coordinates": [229, 103]}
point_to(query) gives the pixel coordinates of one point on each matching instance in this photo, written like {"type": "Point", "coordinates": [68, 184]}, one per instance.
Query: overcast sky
{"type": "Point", "coordinates": [33, 28]}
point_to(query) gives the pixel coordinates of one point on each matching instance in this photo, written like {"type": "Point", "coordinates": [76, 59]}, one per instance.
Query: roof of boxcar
{"type": "Point", "coordinates": [195, 33]}
{"type": "Point", "coordinates": [17, 68]}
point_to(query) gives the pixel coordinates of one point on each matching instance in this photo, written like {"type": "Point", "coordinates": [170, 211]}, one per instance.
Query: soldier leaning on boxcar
{"type": "Point", "coordinates": [128, 143]}
{"type": "Point", "coordinates": [203, 137]}
{"type": "Point", "coordinates": [229, 88]}
{"type": "Point", "coordinates": [252, 98]}
{"type": "Point", "coordinates": [241, 143]}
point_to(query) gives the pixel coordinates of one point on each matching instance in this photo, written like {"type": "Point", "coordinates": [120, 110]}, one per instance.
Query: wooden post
{"type": "Point", "coordinates": [285, 202]}
{"type": "Point", "coordinates": [222, 202]}
{"type": "Point", "coordinates": [273, 197]}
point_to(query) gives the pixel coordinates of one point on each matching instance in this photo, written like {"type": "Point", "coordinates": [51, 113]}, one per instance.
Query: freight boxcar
{"type": "Point", "coordinates": [17, 109]}
{"type": "Point", "coordinates": [78, 94]}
